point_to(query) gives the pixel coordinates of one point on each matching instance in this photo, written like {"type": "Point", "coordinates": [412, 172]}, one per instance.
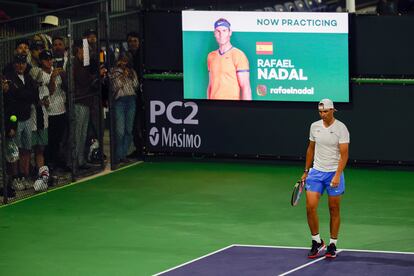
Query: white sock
{"type": "Point", "coordinates": [317, 238]}
{"type": "Point", "coordinates": [44, 173]}
{"type": "Point", "coordinates": [333, 241]}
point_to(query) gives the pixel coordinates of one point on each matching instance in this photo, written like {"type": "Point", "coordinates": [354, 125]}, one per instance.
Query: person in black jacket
{"type": "Point", "coordinates": [23, 92]}
{"type": "Point", "coordinates": [12, 152]}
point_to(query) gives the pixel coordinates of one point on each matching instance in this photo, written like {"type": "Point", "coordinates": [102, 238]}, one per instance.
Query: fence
{"type": "Point", "coordinates": [52, 120]}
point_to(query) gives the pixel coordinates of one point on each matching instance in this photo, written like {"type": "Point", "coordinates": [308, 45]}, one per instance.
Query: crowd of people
{"type": "Point", "coordinates": [36, 92]}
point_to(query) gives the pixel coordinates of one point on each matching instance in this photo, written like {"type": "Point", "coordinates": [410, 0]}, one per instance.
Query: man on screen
{"type": "Point", "coordinates": [228, 67]}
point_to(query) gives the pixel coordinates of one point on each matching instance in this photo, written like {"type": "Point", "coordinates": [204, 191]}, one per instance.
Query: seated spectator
{"type": "Point", "coordinates": [124, 82]}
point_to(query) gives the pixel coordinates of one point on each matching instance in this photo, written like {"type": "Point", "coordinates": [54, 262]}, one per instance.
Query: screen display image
{"type": "Point", "coordinates": [265, 56]}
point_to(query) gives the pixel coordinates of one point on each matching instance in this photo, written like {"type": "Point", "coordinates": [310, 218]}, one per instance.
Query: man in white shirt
{"type": "Point", "coordinates": [328, 149]}
{"type": "Point", "coordinates": [53, 85]}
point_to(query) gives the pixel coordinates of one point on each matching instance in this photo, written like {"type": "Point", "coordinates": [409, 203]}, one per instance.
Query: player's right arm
{"type": "Point", "coordinates": [309, 159]}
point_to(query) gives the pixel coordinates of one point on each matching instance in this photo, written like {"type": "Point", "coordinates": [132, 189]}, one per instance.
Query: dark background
{"type": "Point", "coordinates": [380, 118]}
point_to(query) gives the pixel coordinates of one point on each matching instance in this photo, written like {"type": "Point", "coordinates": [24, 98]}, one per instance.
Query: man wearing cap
{"type": "Point", "coordinates": [53, 95]}
{"type": "Point", "coordinates": [50, 21]}
{"type": "Point", "coordinates": [23, 92]}
{"type": "Point", "coordinates": [92, 37]}
{"type": "Point", "coordinates": [22, 48]}
{"type": "Point", "coordinates": [228, 67]}
{"type": "Point", "coordinates": [84, 81]}
{"type": "Point", "coordinates": [40, 119]}
{"type": "Point", "coordinates": [328, 150]}
{"type": "Point", "coordinates": [36, 46]}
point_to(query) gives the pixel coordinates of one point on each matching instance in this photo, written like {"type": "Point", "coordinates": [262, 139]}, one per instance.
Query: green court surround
{"type": "Point", "coordinates": [156, 215]}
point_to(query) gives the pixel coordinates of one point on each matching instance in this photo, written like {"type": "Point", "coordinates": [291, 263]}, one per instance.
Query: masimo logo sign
{"type": "Point", "coordinates": [154, 136]}
{"type": "Point", "coordinates": [175, 135]}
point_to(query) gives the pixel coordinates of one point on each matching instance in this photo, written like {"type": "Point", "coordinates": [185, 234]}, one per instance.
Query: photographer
{"type": "Point", "coordinates": [124, 82]}
{"type": "Point", "coordinates": [12, 152]}
{"type": "Point", "coordinates": [23, 91]}
{"type": "Point", "coordinates": [40, 117]}
{"type": "Point", "coordinates": [54, 84]}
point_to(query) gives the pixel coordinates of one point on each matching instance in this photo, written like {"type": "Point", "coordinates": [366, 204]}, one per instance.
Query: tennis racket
{"type": "Point", "coordinates": [297, 191]}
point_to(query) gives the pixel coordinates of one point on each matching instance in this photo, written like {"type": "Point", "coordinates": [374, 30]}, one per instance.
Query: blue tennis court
{"type": "Point", "coordinates": [272, 261]}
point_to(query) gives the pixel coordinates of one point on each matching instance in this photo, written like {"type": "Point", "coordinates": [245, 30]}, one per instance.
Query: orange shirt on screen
{"type": "Point", "coordinates": [223, 69]}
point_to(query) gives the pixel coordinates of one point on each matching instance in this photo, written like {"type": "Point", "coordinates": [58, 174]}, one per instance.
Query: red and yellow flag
{"type": "Point", "coordinates": [264, 48]}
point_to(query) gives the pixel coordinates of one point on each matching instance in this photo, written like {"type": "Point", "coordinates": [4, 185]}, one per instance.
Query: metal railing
{"type": "Point", "coordinates": [111, 32]}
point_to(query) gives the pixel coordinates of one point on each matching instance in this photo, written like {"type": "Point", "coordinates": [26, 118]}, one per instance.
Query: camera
{"type": "Point", "coordinates": [58, 62]}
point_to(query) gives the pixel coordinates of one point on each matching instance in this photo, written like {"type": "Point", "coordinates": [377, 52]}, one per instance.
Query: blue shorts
{"type": "Point", "coordinates": [318, 181]}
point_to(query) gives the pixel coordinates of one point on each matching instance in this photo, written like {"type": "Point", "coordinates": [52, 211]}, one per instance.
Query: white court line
{"type": "Point", "coordinates": [343, 249]}
{"type": "Point", "coordinates": [202, 257]}
{"type": "Point", "coordinates": [286, 247]}
{"type": "Point", "coordinates": [270, 246]}
{"type": "Point", "coordinates": [305, 265]}
{"type": "Point", "coordinates": [106, 171]}
{"type": "Point", "coordinates": [378, 251]}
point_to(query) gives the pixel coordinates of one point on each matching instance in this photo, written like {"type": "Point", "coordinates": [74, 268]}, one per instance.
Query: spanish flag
{"type": "Point", "coordinates": [264, 48]}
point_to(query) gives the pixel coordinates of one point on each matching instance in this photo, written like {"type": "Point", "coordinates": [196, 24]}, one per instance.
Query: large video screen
{"type": "Point", "coordinates": [265, 56]}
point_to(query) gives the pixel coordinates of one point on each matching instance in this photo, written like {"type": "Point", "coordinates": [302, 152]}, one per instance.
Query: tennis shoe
{"type": "Point", "coordinates": [41, 183]}
{"type": "Point", "coordinates": [18, 185]}
{"type": "Point", "coordinates": [27, 183]}
{"type": "Point", "coordinates": [331, 251]}
{"type": "Point", "coordinates": [316, 248]}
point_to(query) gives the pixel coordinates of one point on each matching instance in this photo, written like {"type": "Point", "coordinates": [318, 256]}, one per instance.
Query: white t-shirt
{"type": "Point", "coordinates": [327, 140]}
{"type": "Point", "coordinates": [58, 99]}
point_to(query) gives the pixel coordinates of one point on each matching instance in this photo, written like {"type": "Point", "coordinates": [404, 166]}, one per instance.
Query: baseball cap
{"type": "Point", "coordinates": [45, 54]}
{"type": "Point", "coordinates": [89, 32]}
{"type": "Point", "coordinates": [51, 20]}
{"type": "Point", "coordinates": [222, 22]}
{"type": "Point", "coordinates": [325, 104]}
{"type": "Point", "coordinates": [20, 58]}
{"type": "Point", "coordinates": [37, 44]}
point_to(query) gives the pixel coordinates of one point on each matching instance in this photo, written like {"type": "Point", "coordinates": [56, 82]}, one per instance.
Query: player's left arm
{"type": "Point", "coordinates": [343, 151]}
{"type": "Point", "coordinates": [244, 83]}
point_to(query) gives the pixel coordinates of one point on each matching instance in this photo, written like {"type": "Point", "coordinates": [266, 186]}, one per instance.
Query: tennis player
{"type": "Point", "coordinates": [328, 149]}
{"type": "Point", "coordinates": [228, 67]}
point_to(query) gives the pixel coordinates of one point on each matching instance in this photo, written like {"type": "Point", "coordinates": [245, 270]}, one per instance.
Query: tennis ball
{"type": "Point", "coordinates": [13, 118]}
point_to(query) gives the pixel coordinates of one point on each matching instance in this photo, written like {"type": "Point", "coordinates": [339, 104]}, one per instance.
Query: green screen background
{"type": "Point", "coordinates": [323, 58]}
